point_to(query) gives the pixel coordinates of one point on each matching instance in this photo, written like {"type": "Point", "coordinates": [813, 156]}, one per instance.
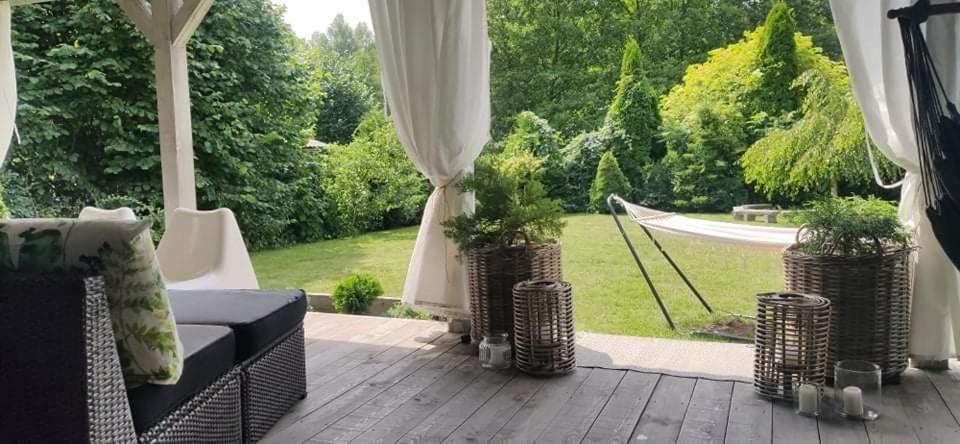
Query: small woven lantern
{"type": "Point", "coordinates": [543, 327]}
{"type": "Point", "coordinates": [792, 340]}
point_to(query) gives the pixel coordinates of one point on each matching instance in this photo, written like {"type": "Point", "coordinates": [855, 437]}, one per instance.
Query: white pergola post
{"type": "Point", "coordinates": [168, 26]}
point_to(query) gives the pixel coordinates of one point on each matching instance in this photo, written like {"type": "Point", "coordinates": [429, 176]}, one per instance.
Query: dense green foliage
{"type": "Point", "coordinates": [851, 226]}
{"type": "Point", "coordinates": [634, 111]}
{"type": "Point", "coordinates": [372, 181]}
{"type": "Point", "coordinates": [512, 204]}
{"type": "Point", "coordinates": [582, 156]}
{"type": "Point", "coordinates": [88, 117]}
{"type": "Point", "coordinates": [609, 180]}
{"type": "Point", "coordinates": [345, 62]}
{"type": "Point", "coordinates": [3, 208]}
{"type": "Point", "coordinates": [534, 135]}
{"type": "Point", "coordinates": [356, 293]}
{"type": "Point", "coordinates": [777, 65]}
{"type": "Point", "coordinates": [821, 152]}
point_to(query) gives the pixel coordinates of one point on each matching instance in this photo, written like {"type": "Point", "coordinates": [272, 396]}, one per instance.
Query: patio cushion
{"type": "Point", "coordinates": [208, 354]}
{"type": "Point", "coordinates": [259, 318]}
{"type": "Point", "coordinates": [120, 251]}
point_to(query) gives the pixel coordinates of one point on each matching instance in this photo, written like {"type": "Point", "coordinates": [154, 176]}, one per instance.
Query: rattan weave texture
{"type": "Point", "coordinates": [273, 383]}
{"type": "Point", "coordinates": [792, 335]}
{"type": "Point", "coordinates": [870, 298]}
{"type": "Point", "coordinates": [492, 273]}
{"type": "Point", "coordinates": [543, 327]}
{"type": "Point", "coordinates": [212, 416]}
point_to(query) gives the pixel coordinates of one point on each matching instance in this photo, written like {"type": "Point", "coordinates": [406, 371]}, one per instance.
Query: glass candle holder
{"type": "Point", "coordinates": [807, 399]}
{"type": "Point", "coordinates": [496, 352]}
{"type": "Point", "coordinates": [857, 389]}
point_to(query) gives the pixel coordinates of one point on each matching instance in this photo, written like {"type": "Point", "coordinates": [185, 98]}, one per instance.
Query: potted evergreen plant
{"type": "Point", "coordinates": [512, 236]}
{"type": "Point", "coordinates": [855, 252]}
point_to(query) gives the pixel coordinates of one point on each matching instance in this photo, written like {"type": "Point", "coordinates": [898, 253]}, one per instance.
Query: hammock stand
{"type": "Point", "coordinates": [643, 270]}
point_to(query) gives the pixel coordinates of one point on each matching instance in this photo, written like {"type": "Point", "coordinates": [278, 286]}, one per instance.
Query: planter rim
{"type": "Point", "coordinates": [491, 248]}
{"type": "Point", "coordinates": [793, 251]}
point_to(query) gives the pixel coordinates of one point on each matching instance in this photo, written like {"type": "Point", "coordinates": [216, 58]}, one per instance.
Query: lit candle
{"type": "Point", "coordinates": [808, 399]}
{"type": "Point", "coordinates": [853, 401]}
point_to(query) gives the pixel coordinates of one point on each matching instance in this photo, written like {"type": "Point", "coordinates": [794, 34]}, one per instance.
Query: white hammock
{"type": "Point", "coordinates": [752, 235]}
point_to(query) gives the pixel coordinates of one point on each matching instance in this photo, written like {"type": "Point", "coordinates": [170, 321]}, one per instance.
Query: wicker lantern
{"type": "Point", "coordinates": [543, 327]}
{"type": "Point", "coordinates": [493, 271]}
{"type": "Point", "coordinates": [793, 333]}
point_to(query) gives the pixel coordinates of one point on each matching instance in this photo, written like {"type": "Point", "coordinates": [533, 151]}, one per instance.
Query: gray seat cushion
{"type": "Point", "coordinates": [208, 352]}
{"type": "Point", "coordinates": [259, 318]}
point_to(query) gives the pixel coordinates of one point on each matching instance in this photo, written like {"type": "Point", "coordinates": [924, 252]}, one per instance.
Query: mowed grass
{"type": "Point", "coordinates": [610, 294]}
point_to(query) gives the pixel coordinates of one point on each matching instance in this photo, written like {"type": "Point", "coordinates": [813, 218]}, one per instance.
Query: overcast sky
{"type": "Point", "coordinates": [307, 16]}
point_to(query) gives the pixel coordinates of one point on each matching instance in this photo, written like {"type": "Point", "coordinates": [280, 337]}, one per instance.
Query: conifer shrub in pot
{"type": "Point", "coordinates": [855, 252]}
{"type": "Point", "coordinates": [512, 236]}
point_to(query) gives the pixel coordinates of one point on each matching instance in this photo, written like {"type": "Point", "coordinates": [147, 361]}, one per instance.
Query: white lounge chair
{"type": "Point", "coordinates": [93, 213]}
{"type": "Point", "coordinates": [205, 250]}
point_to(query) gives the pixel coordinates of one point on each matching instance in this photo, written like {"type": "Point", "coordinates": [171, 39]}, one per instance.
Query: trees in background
{"type": "Point", "coordinates": [344, 63]}
{"type": "Point", "coordinates": [373, 182]}
{"type": "Point", "coordinates": [609, 180]}
{"type": "Point", "coordinates": [87, 117]}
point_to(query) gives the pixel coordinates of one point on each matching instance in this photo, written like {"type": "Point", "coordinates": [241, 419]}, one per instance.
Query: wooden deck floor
{"type": "Point", "coordinates": [390, 380]}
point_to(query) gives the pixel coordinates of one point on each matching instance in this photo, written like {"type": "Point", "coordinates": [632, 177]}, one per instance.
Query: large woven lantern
{"type": "Point", "coordinates": [543, 327]}
{"type": "Point", "coordinates": [792, 337]}
{"type": "Point", "coordinates": [492, 273]}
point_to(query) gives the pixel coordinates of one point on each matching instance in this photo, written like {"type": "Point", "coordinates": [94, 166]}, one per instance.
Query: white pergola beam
{"type": "Point", "coordinates": [140, 14]}
{"type": "Point", "coordinates": [187, 20]}
{"type": "Point", "coordinates": [168, 25]}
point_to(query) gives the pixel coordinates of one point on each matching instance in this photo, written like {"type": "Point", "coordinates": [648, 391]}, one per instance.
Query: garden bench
{"type": "Point", "coordinates": [752, 211]}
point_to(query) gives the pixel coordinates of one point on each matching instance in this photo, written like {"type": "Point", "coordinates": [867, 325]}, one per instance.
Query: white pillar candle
{"type": "Point", "coordinates": [852, 401]}
{"type": "Point", "coordinates": [808, 399]}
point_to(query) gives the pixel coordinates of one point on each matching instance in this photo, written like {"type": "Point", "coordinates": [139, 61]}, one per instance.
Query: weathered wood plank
{"type": "Point", "coordinates": [662, 419]}
{"type": "Point", "coordinates": [893, 427]}
{"type": "Point", "coordinates": [530, 421]}
{"type": "Point", "coordinates": [791, 428]}
{"type": "Point", "coordinates": [412, 412]}
{"type": "Point", "coordinates": [751, 417]}
{"type": "Point", "coordinates": [621, 414]}
{"type": "Point", "coordinates": [348, 401]}
{"type": "Point", "coordinates": [947, 384]}
{"type": "Point", "coordinates": [837, 430]}
{"type": "Point", "coordinates": [485, 422]}
{"type": "Point", "coordinates": [706, 418]}
{"type": "Point", "coordinates": [324, 388]}
{"type": "Point", "coordinates": [926, 411]}
{"type": "Point", "coordinates": [363, 417]}
{"type": "Point", "coordinates": [574, 420]}
{"type": "Point", "coordinates": [439, 425]}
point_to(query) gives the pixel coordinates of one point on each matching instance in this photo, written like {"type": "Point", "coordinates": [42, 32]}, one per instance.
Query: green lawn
{"type": "Point", "coordinates": [611, 296]}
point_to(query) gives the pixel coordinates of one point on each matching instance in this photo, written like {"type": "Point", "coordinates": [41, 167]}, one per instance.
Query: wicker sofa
{"type": "Point", "coordinates": [60, 377]}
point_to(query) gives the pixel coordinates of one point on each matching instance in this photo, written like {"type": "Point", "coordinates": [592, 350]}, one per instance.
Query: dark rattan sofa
{"type": "Point", "coordinates": [60, 378]}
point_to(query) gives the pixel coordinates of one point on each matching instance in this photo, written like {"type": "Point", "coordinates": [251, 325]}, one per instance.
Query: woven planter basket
{"type": "Point", "coordinates": [792, 338]}
{"type": "Point", "coordinates": [543, 329]}
{"type": "Point", "coordinates": [870, 299]}
{"type": "Point", "coordinates": [492, 273]}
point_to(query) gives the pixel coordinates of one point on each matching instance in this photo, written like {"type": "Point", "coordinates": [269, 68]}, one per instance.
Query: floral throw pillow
{"type": "Point", "coordinates": [121, 252]}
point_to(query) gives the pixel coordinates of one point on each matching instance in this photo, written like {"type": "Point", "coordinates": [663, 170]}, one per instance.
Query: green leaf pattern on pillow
{"type": "Point", "coordinates": [123, 253]}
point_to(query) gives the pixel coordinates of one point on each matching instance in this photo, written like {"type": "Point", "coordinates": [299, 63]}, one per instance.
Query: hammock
{"type": "Point", "coordinates": [741, 234]}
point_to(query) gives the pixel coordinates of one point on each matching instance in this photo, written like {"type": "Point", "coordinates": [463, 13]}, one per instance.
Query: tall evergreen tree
{"type": "Point", "coordinates": [634, 111]}
{"type": "Point", "coordinates": [777, 64]}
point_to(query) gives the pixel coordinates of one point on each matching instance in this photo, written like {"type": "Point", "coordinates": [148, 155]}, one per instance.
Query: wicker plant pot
{"type": "Point", "coordinates": [543, 329]}
{"type": "Point", "coordinates": [870, 299]}
{"type": "Point", "coordinates": [492, 273]}
{"type": "Point", "coordinates": [792, 338]}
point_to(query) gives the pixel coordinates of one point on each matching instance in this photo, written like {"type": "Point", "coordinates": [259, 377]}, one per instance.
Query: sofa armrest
{"type": "Point", "coordinates": [60, 376]}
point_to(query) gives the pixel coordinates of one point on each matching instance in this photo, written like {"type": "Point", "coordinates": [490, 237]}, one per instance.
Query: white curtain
{"type": "Point", "coordinates": [8, 83]}
{"type": "Point", "coordinates": [435, 64]}
{"type": "Point", "coordinates": [874, 55]}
